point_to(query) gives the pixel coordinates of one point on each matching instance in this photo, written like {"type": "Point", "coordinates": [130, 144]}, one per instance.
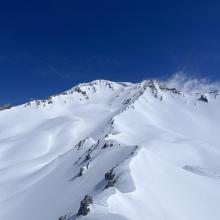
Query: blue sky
{"type": "Point", "coordinates": [48, 46]}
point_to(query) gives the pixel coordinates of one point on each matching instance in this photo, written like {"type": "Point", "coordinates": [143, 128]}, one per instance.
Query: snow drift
{"type": "Point", "coordinates": [142, 151]}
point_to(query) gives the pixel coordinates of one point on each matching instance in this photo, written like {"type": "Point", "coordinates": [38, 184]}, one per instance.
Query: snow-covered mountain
{"type": "Point", "coordinates": [141, 151]}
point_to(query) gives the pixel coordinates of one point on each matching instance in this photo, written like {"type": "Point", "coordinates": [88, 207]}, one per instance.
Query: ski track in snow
{"type": "Point", "coordinates": [162, 145]}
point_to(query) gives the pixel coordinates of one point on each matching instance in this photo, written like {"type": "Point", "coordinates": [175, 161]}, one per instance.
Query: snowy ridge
{"type": "Point", "coordinates": [161, 145]}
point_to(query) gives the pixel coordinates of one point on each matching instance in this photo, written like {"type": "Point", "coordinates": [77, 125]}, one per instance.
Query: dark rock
{"type": "Point", "coordinates": [83, 92]}
{"type": "Point", "coordinates": [126, 101]}
{"type": "Point", "coordinates": [203, 98]}
{"type": "Point", "coordinates": [104, 146]}
{"type": "Point", "coordinates": [80, 144]}
{"type": "Point", "coordinates": [27, 104]}
{"type": "Point", "coordinates": [88, 157]}
{"type": "Point", "coordinates": [107, 145]}
{"type": "Point", "coordinates": [5, 106]}
{"type": "Point", "coordinates": [79, 90]}
{"type": "Point", "coordinates": [109, 175]}
{"type": "Point", "coordinates": [173, 90]}
{"type": "Point", "coordinates": [62, 217]}
{"type": "Point", "coordinates": [84, 206]}
{"type": "Point", "coordinates": [110, 183]}
{"type": "Point", "coordinates": [81, 171]}
{"type": "Point", "coordinates": [38, 102]}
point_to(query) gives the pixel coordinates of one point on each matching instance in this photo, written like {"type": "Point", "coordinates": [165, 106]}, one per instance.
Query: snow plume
{"type": "Point", "coordinates": [186, 83]}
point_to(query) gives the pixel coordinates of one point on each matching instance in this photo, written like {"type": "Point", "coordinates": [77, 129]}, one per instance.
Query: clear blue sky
{"type": "Point", "coordinates": [48, 46]}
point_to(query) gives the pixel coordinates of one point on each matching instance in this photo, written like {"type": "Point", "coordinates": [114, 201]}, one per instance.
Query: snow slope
{"type": "Point", "coordinates": [161, 144]}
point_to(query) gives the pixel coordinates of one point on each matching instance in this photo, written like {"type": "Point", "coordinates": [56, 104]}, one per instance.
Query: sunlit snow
{"type": "Point", "coordinates": [162, 144]}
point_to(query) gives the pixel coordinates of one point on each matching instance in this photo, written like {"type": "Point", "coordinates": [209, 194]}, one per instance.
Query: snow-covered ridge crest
{"type": "Point", "coordinates": [85, 91]}
{"type": "Point", "coordinates": [178, 84]}
{"type": "Point", "coordinates": [141, 151]}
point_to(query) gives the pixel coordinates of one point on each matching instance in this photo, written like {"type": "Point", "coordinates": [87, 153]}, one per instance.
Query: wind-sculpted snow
{"type": "Point", "coordinates": [142, 151]}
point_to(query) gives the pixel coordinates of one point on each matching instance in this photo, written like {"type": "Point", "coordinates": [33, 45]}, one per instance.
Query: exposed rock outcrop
{"type": "Point", "coordinates": [5, 106]}
{"type": "Point", "coordinates": [203, 98]}
{"type": "Point", "coordinates": [110, 178]}
{"type": "Point", "coordinates": [85, 206]}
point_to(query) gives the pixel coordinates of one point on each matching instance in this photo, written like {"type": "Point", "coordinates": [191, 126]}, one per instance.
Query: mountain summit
{"type": "Point", "coordinates": [108, 150]}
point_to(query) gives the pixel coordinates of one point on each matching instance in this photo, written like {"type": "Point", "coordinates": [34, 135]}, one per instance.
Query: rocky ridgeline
{"type": "Point", "coordinates": [81, 89]}
{"type": "Point", "coordinates": [5, 106]}
{"type": "Point", "coordinates": [85, 90]}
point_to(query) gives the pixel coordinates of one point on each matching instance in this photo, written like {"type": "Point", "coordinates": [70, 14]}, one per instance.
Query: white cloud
{"type": "Point", "coordinates": [186, 83]}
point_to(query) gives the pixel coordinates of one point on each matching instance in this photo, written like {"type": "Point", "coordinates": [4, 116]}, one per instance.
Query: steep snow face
{"type": "Point", "coordinates": [160, 145]}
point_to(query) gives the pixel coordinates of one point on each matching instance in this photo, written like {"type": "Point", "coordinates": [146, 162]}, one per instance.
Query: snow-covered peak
{"type": "Point", "coordinates": [86, 92]}
{"type": "Point", "coordinates": [146, 146]}
{"type": "Point", "coordinates": [104, 83]}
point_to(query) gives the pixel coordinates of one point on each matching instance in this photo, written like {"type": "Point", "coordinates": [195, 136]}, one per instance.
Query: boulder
{"type": "Point", "coordinates": [203, 98]}
{"type": "Point", "coordinates": [85, 206]}
{"type": "Point", "coordinates": [110, 178]}
{"type": "Point", "coordinates": [109, 175]}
